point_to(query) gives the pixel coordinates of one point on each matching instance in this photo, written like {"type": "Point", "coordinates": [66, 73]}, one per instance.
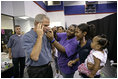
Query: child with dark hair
{"type": "Point", "coordinates": [96, 59]}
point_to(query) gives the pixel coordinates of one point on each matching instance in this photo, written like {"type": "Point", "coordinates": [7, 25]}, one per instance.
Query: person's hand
{"type": "Point", "coordinates": [54, 29]}
{"type": "Point", "coordinates": [10, 57]}
{"type": "Point", "coordinates": [90, 65]}
{"type": "Point", "coordinates": [39, 29]}
{"type": "Point", "coordinates": [91, 76]}
{"type": "Point", "coordinates": [50, 35]}
{"type": "Point", "coordinates": [47, 29]}
{"type": "Point", "coordinates": [70, 63]}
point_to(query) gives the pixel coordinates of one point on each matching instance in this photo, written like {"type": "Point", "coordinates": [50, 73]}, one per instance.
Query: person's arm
{"type": "Point", "coordinates": [76, 60]}
{"type": "Point", "coordinates": [59, 47]}
{"type": "Point", "coordinates": [90, 65]}
{"type": "Point", "coordinates": [37, 47]}
{"type": "Point", "coordinates": [9, 45]}
{"type": "Point", "coordinates": [71, 62]}
{"type": "Point", "coordinates": [10, 56]}
{"type": "Point", "coordinates": [55, 43]}
{"type": "Point", "coordinates": [96, 67]}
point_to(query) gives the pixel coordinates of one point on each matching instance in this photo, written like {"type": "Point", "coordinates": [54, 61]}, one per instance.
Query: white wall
{"type": "Point", "coordinates": [13, 8]}
{"type": "Point", "coordinates": [56, 18]}
{"type": "Point", "coordinates": [7, 8]}
{"type": "Point", "coordinates": [71, 3]}
{"type": "Point", "coordinates": [26, 25]}
{"type": "Point", "coordinates": [18, 8]}
{"type": "Point", "coordinates": [78, 19]}
{"type": "Point", "coordinates": [104, 2]}
{"type": "Point", "coordinates": [32, 9]}
{"type": "Point", "coordinates": [21, 8]}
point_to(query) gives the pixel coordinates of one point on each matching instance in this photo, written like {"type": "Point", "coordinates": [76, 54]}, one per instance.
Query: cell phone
{"type": "Point", "coordinates": [48, 30]}
{"type": "Point", "coordinates": [40, 23]}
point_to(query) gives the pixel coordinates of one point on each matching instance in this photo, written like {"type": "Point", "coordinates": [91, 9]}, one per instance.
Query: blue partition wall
{"type": "Point", "coordinates": [78, 9]}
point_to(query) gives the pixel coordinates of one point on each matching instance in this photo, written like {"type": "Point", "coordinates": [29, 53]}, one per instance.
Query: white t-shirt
{"type": "Point", "coordinates": [99, 55]}
{"type": "Point", "coordinates": [56, 52]}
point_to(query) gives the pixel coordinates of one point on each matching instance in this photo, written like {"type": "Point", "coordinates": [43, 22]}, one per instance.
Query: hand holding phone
{"type": "Point", "coordinates": [39, 29]}
{"type": "Point", "coordinates": [47, 29]}
{"type": "Point", "coordinates": [50, 35]}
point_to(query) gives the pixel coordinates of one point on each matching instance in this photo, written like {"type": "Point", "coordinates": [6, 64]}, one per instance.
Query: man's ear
{"type": "Point", "coordinates": [35, 23]}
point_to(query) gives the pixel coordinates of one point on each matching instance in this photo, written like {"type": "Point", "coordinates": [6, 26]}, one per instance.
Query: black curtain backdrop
{"type": "Point", "coordinates": [108, 26]}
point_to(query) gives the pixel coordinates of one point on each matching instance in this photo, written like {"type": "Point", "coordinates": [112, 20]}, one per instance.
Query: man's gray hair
{"type": "Point", "coordinates": [40, 17]}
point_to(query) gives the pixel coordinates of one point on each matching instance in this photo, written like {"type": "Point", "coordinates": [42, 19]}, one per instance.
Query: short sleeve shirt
{"type": "Point", "coordinates": [101, 56]}
{"type": "Point", "coordinates": [70, 48]}
{"type": "Point", "coordinates": [29, 40]}
{"type": "Point", "coordinates": [16, 48]}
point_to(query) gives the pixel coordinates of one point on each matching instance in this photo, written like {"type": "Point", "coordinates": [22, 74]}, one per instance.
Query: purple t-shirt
{"type": "Point", "coordinates": [63, 58]}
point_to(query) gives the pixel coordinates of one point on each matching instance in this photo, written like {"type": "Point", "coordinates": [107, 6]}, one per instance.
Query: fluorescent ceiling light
{"type": "Point", "coordinates": [24, 17]}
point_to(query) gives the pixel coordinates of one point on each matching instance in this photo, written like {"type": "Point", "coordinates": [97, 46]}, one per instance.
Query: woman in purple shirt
{"type": "Point", "coordinates": [67, 47]}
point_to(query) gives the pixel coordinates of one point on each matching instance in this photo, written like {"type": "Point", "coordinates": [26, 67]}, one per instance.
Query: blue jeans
{"type": "Point", "coordinates": [67, 75]}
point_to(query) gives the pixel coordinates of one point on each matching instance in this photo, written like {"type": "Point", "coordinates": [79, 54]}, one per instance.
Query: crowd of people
{"type": "Point", "coordinates": [76, 48]}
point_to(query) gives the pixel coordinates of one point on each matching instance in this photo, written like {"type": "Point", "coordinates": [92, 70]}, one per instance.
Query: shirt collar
{"type": "Point", "coordinates": [18, 35]}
